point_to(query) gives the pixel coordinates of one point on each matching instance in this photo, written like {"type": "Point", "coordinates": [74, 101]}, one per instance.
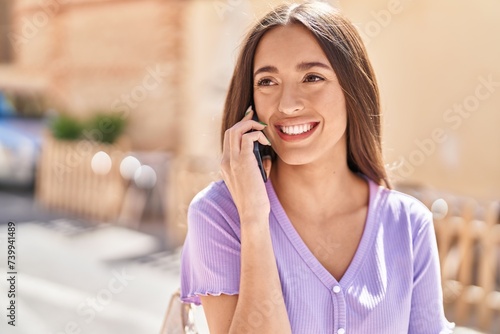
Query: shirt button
{"type": "Point", "coordinates": [341, 331]}
{"type": "Point", "coordinates": [337, 289]}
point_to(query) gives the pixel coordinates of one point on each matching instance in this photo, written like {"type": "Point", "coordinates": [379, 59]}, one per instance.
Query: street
{"type": "Point", "coordinates": [79, 277]}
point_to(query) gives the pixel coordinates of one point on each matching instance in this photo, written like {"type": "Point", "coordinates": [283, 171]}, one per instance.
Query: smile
{"type": "Point", "coordinates": [296, 129]}
{"type": "Point", "coordinates": [296, 132]}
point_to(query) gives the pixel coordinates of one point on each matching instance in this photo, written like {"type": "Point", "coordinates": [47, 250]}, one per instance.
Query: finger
{"type": "Point", "coordinates": [232, 145]}
{"type": "Point", "coordinates": [234, 139]}
{"type": "Point", "coordinates": [230, 133]}
{"type": "Point", "coordinates": [263, 139]}
{"type": "Point", "coordinates": [241, 128]}
{"type": "Point", "coordinates": [248, 113]}
{"type": "Point", "coordinates": [247, 125]}
{"type": "Point", "coordinates": [267, 163]}
{"type": "Point", "coordinates": [226, 147]}
{"type": "Point", "coordinates": [249, 138]}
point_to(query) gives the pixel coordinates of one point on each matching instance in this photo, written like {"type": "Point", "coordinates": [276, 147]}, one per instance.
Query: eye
{"type": "Point", "coordinates": [313, 78]}
{"type": "Point", "coordinates": [265, 82]}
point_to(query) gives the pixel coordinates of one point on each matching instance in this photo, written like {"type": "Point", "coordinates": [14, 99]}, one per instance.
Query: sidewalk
{"type": "Point", "coordinates": [73, 278]}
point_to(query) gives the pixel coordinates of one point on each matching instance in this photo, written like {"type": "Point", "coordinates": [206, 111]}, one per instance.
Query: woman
{"type": "Point", "coordinates": [324, 246]}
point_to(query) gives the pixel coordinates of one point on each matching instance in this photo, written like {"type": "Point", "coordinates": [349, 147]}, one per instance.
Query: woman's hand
{"type": "Point", "coordinates": [240, 171]}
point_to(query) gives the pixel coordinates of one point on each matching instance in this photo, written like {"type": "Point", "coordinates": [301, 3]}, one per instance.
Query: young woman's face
{"type": "Point", "coordinates": [296, 92]}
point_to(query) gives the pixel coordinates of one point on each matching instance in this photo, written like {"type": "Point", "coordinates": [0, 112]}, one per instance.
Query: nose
{"type": "Point", "coordinates": [290, 102]}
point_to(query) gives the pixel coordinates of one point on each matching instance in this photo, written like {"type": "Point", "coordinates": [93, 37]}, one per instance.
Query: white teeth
{"type": "Point", "coordinates": [296, 129]}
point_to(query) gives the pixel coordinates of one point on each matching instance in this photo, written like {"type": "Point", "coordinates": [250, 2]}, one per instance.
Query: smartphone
{"type": "Point", "coordinates": [258, 150]}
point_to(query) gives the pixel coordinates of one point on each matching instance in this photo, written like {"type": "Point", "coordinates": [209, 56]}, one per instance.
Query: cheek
{"type": "Point", "coordinates": [327, 96]}
{"type": "Point", "coordinates": [265, 105]}
{"type": "Point", "coordinates": [332, 105]}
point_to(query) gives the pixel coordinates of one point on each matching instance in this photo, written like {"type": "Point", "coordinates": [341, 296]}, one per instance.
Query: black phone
{"type": "Point", "coordinates": [258, 150]}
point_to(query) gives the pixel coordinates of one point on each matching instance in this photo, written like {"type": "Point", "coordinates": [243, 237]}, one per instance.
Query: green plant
{"type": "Point", "coordinates": [66, 128]}
{"type": "Point", "coordinates": [106, 127]}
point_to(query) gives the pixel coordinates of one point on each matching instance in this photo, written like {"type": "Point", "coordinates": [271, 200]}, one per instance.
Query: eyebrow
{"type": "Point", "coordinates": [304, 66]}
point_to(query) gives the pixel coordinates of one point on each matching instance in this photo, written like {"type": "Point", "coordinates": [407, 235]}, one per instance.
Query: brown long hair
{"type": "Point", "coordinates": [346, 53]}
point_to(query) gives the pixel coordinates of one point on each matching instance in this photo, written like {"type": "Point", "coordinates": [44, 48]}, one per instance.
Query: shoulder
{"type": "Point", "coordinates": [215, 194]}
{"type": "Point", "coordinates": [213, 203]}
{"type": "Point", "coordinates": [399, 207]}
{"type": "Point", "coordinates": [402, 203]}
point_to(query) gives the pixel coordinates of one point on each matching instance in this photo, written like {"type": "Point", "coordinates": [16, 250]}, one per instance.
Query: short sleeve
{"type": "Point", "coordinates": [427, 313]}
{"type": "Point", "coordinates": [210, 258]}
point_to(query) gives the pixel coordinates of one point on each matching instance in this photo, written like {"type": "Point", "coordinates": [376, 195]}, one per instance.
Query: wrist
{"type": "Point", "coordinates": [255, 218]}
{"type": "Point", "coordinates": [255, 222]}
{"type": "Point", "coordinates": [255, 231]}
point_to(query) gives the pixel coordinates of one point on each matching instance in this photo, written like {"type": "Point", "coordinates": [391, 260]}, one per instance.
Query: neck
{"type": "Point", "coordinates": [324, 189]}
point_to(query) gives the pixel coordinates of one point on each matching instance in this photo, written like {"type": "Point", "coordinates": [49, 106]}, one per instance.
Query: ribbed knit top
{"type": "Point", "coordinates": [392, 284]}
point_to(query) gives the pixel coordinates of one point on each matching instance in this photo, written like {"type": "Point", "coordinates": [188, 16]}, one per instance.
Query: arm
{"type": "Point", "coordinates": [259, 307]}
{"type": "Point", "coordinates": [219, 311]}
{"type": "Point", "coordinates": [427, 314]}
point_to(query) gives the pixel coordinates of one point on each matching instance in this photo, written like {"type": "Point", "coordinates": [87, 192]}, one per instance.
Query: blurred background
{"type": "Point", "coordinates": [109, 124]}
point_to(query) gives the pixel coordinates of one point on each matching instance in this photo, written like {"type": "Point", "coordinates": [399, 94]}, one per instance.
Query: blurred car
{"type": "Point", "coordinates": [22, 122]}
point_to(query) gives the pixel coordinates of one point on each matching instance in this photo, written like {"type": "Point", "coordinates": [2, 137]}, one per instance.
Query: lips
{"type": "Point", "coordinates": [294, 132]}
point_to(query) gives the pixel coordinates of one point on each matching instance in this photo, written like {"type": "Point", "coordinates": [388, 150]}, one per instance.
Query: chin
{"type": "Point", "coordinates": [295, 159]}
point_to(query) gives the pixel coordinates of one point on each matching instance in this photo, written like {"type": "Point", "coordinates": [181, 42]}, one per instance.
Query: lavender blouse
{"type": "Point", "coordinates": [391, 286]}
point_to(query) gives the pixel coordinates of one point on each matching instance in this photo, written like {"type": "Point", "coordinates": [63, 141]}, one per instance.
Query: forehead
{"type": "Point", "coordinates": [288, 45]}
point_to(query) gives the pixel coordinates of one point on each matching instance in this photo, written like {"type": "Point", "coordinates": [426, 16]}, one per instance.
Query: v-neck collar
{"type": "Point", "coordinates": [364, 246]}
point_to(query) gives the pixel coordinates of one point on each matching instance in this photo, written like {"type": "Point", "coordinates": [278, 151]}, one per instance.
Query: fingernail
{"type": "Point", "coordinates": [263, 123]}
{"type": "Point", "coordinates": [248, 110]}
{"type": "Point", "coordinates": [268, 141]}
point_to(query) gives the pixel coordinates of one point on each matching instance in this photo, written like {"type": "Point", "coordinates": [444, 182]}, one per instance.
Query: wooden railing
{"type": "Point", "coordinates": [188, 176]}
{"type": "Point", "coordinates": [66, 181]}
{"type": "Point", "coordinates": [468, 238]}
{"type": "Point", "coordinates": [468, 250]}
